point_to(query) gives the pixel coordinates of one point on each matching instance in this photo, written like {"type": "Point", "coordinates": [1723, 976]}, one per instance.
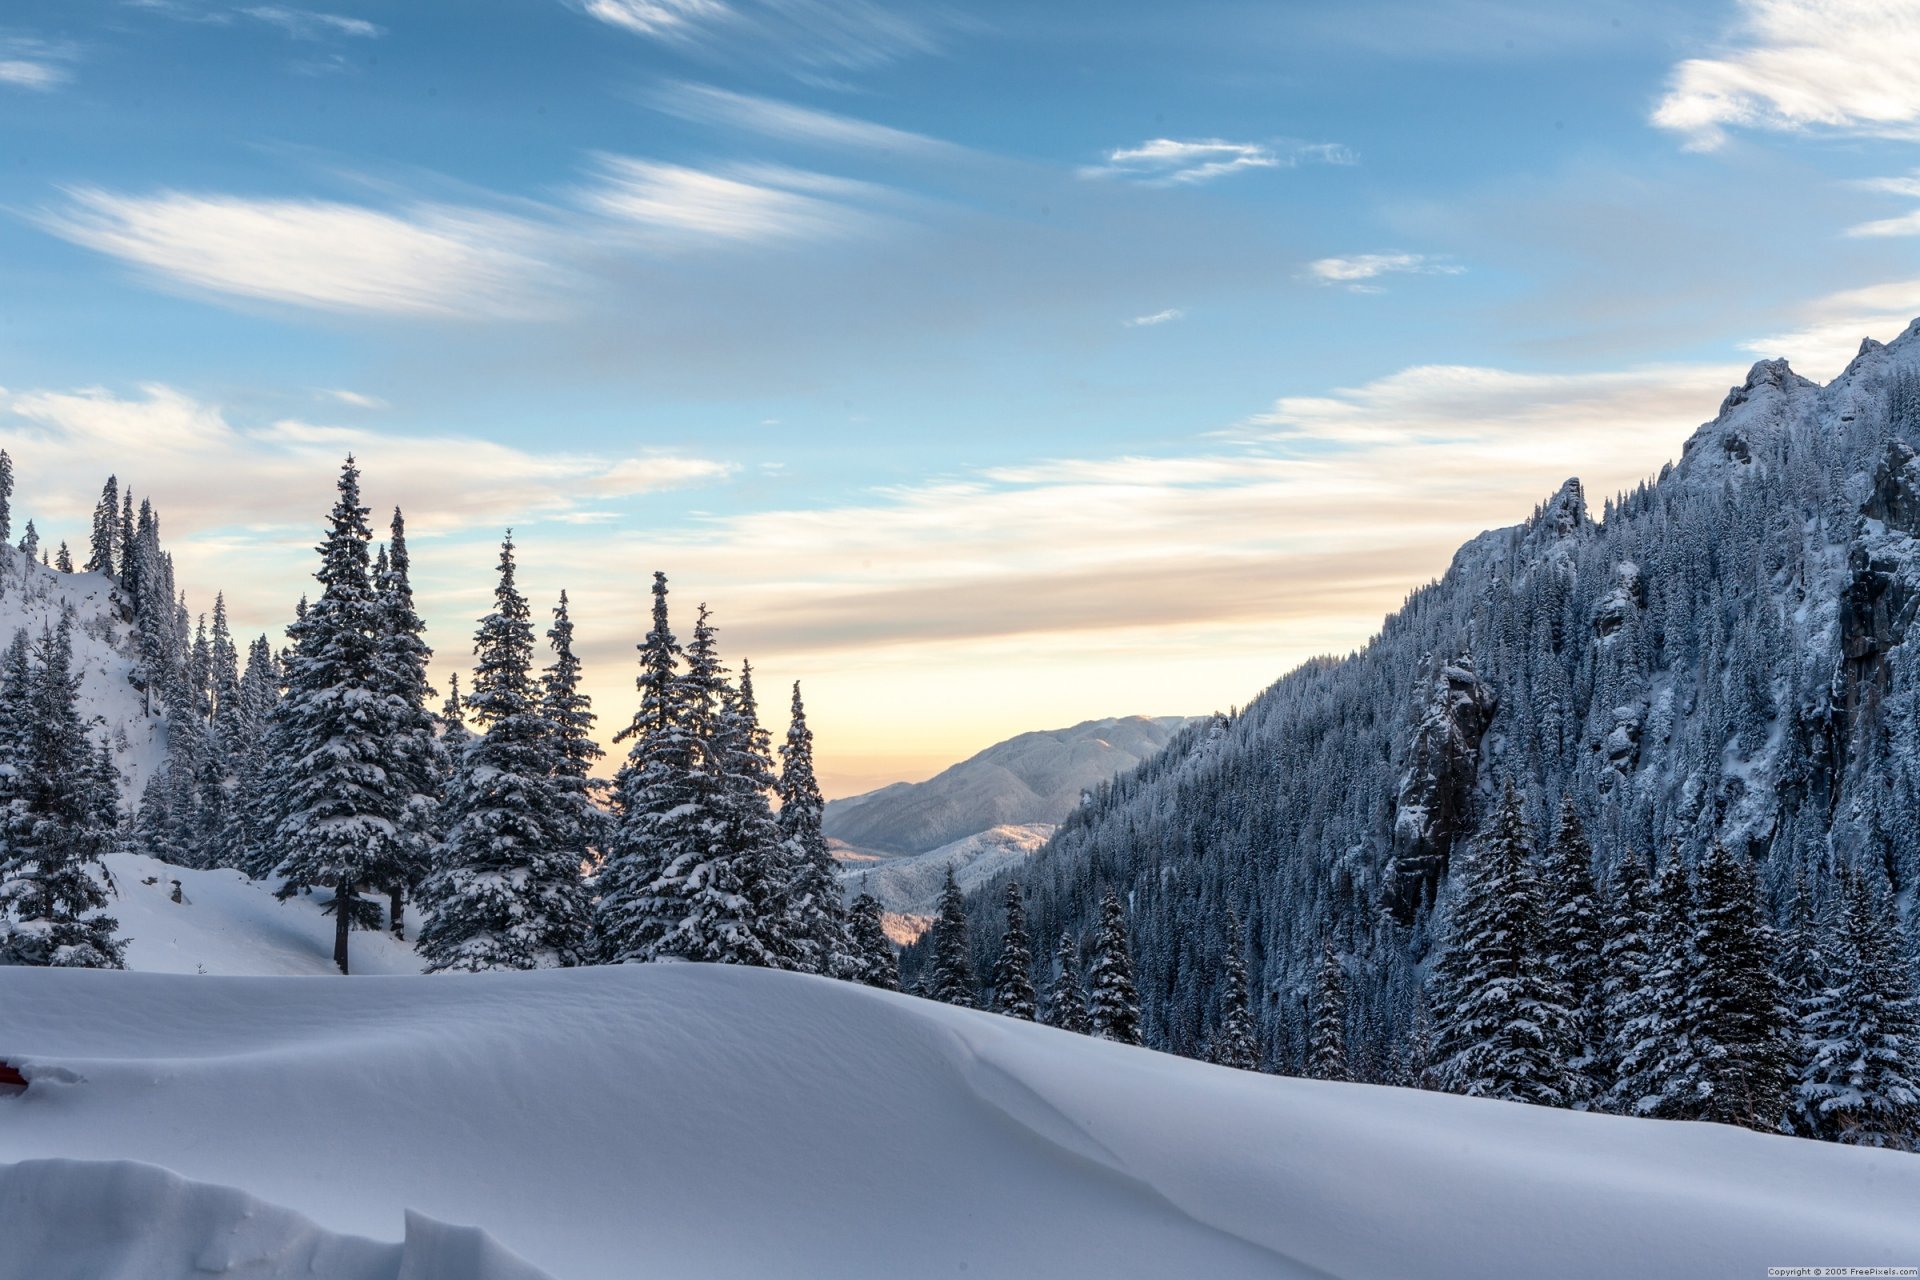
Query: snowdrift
{"type": "Point", "coordinates": [690, 1120]}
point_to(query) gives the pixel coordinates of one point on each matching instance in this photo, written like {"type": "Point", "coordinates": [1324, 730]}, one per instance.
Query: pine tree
{"type": "Point", "coordinates": [1236, 1040]}
{"type": "Point", "coordinates": [649, 790]}
{"type": "Point", "coordinates": [1013, 992]}
{"type": "Point", "coordinates": [63, 559]}
{"type": "Point", "coordinates": [53, 886]}
{"type": "Point", "coordinates": [876, 962]}
{"type": "Point", "coordinates": [505, 893]}
{"type": "Point", "coordinates": [105, 512]}
{"type": "Point", "coordinates": [952, 981]}
{"type": "Point", "coordinates": [1860, 1081]}
{"type": "Point", "coordinates": [1656, 1052]}
{"type": "Point", "coordinates": [30, 543]}
{"type": "Point", "coordinates": [1067, 995]}
{"type": "Point", "coordinates": [1625, 961]}
{"type": "Point", "coordinates": [1570, 939]}
{"type": "Point", "coordinates": [815, 919]}
{"type": "Point", "coordinates": [1327, 1046]}
{"type": "Point", "coordinates": [6, 497]}
{"type": "Point", "coordinates": [579, 824]}
{"type": "Point", "coordinates": [419, 767]}
{"type": "Point", "coordinates": [1113, 1005]}
{"type": "Point", "coordinates": [344, 801]}
{"type": "Point", "coordinates": [1504, 1027]}
{"type": "Point", "coordinates": [1738, 1058]}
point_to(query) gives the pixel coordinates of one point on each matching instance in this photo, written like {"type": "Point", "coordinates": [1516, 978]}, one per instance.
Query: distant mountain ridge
{"type": "Point", "coordinates": [1032, 778]}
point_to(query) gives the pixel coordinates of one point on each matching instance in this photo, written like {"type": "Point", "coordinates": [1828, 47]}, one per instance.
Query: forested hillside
{"type": "Point", "coordinates": [1720, 660]}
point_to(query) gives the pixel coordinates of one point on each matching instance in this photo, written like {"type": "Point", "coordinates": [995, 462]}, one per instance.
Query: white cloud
{"type": "Point", "coordinates": [23, 73]}
{"type": "Point", "coordinates": [355, 399]}
{"type": "Point", "coordinates": [1158, 317]}
{"type": "Point", "coordinates": [846, 35]}
{"type": "Point", "coordinates": [1170, 161]}
{"type": "Point", "coordinates": [1829, 335]}
{"type": "Point", "coordinates": [1797, 65]}
{"type": "Point", "coordinates": [656, 17]}
{"type": "Point", "coordinates": [772, 118]}
{"type": "Point", "coordinates": [1354, 272]}
{"type": "Point", "coordinates": [305, 24]}
{"type": "Point", "coordinates": [28, 62]}
{"type": "Point", "coordinates": [762, 203]}
{"type": "Point", "coordinates": [432, 260]}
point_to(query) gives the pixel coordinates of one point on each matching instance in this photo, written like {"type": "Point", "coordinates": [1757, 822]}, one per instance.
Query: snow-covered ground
{"type": "Point", "coordinates": [225, 923]}
{"type": "Point", "coordinates": [693, 1120]}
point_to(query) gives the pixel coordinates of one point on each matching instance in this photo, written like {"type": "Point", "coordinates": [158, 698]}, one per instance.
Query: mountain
{"type": "Point", "coordinates": [106, 657]}
{"type": "Point", "coordinates": [1035, 777]}
{"type": "Point", "coordinates": [909, 888]}
{"type": "Point", "coordinates": [701, 1120]}
{"type": "Point", "coordinates": [1726, 654]}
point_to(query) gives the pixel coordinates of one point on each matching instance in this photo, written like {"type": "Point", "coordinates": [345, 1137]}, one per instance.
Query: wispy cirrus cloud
{"type": "Point", "coordinates": [759, 203]}
{"type": "Point", "coordinates": [355, 399]}
{"type": "Point", "coordinates": [1172, 161]}
{"type": "Point", "coordinates": [1801, 65]}
{"type": "Point", "coordinates": [431, 260]}
{"type": "Point", "coordinates": [1157, 318]}
{"type": "Point", "coordinates": [1357, 272]}
{"type": "Point", "coordinates": [815, 35]}
{"type": "Point", "coordinates": [306, 24]}
{"type": "Point", "coordinates": [28, 62]}
{"type": "Point", "coordinates": [772, 118]}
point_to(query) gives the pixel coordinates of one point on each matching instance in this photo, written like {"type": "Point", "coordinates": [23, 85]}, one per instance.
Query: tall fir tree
{"type": "Point", "coordinates": [815, 918]}
{"type": "Point", "coordinates": [344, 800]}
{"type": "Point", "coordinates": [1504, 1027]}
{"type": "Point", "coordinates": [506, 892]}
{"type": "Point", "coordinates": [106, 512]}
{"type": "Point", "coordinates": [1625, 961]}
{"type": "Point", "coordinates": [1113, 1003]}
{"type": "Point", "coordinates": [6, 496]}
{"type": "Point", "coordinates": [952, 978]}
{"type": "Point", "coordinates": [578, 822]}
{"type": "Point", "coordinates": [1653, 1032]}
{"type": "Point", "coordinates": [1236, 1041]}
{"type": "Point", "coordinates": [1738, 1059]}
{"type": "Point", "coordinates": [876, 962]}
{"type": "Point", "coordinates": [1571, 937]}
{"type": "Point", "coordinates": [1327, 1045]}
{"type": "Point", "coordinates": [1013, 992]}
{"type": "Point", "coordinates": [53, 885]}
{"type": "Point", "coordinates": [418, 763]}
{"type": "Point", "coordinates": [1067, 996]}
{"type": "Point", "coordinates": [1859, 1082]}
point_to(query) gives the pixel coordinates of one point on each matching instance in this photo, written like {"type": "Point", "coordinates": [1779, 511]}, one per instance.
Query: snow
{"type": "Point", "coordinates": [228, 924]}
{"type": "Point", "coordinates": [104, 657]}
{"type": "Point", "coordinates": [716, 1121]}
{"type": "Point", "coordinates": [911, 886]}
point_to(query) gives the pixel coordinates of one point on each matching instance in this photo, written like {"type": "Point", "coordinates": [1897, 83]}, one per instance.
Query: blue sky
{"type": "Point", "coordinates": [986, 366]}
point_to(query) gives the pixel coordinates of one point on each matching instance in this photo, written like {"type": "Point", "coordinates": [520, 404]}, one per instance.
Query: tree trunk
{"type": "Point", "coordinates": [397, 910]}
{"type": "Point", "coordinates": [342, 922]}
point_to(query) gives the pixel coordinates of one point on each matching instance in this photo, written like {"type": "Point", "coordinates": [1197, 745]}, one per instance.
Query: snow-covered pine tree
{"type": "Point", "coordinates": [951, 981]}
{"type": "Point", "coordinates": [876, 962]}
{"type": "Point", "coordinates": [651, 787]}
{"type": "Point", "coordinates": [1113, 1004]}
{"type": "Point", "coordinates": [815, 919]}
{"type": "Point", "coordinates": [6, 496]}
{"type": "Point", "coordinates": [1739, 1059]}
{"type": "Point", "coordinates": [1067, 997]}
{"type": "Point", "coordinates": [504, 892]}
{"type": "Point", "coordinates": [30, 542]}
{"type": "Point", "coordinates": [105, 532]}
{"type": "Point", "coordinates": [1503, 1022]}
{"type": "Point", "coordinates": [1625, 961]}
{"type": "Point", "coordinates": [740, 761]}
{"type": "Point", "coordinates": [1860, 1080]}
{"type": "Point", "coordinates": [1327, 1043]}
{"type": "Point", "coordinates": [1655, 1049]}
{"type": "Point", "coordinates": [418, 763]}
{"type": "Point", "coordinates": [63, 558]}
{"type": "Point", "coordinates": [1013, 992]}
{"type": "Point", "coordinates": [53, 886]}
{"type": "Point", "coordinates": [577, 821]}
{"type": "Point", "coordinates": [343, 799]}
{"type": "Point", "coordinates": [1236, 1041]}
{"type": "Point", "coordinates": [1570, 939]}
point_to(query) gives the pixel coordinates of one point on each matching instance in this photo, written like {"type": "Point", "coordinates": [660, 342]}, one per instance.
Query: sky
{"type": "Point", "coordinates": [984, 367]}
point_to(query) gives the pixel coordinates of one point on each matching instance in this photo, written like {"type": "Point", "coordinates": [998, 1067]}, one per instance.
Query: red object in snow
{"type": "Point", "coordinates": [9, 1075]}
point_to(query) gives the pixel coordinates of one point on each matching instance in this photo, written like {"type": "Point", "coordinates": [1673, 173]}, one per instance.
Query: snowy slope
{"type": "Point", "coordinates": [228, 924]}
{"type": "Point", "coordinates": [1032, 778]}
{"type": "Point", "coordinates": [104, 651]}
{"type": "Point", "coordinates": [691, 1120]}
{"type": "Point", "coordinates": [911, 885]}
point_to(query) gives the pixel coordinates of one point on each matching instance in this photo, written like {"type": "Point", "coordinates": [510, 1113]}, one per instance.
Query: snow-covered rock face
{"type": "Point", "coordinates": [105, 657]}
{"type": "Point", "coordinates": [720, 1122]}
{"type": "Point", "coordinates": [1434, 807]}
{"type": "Point", "coordinates": [1033, 778]}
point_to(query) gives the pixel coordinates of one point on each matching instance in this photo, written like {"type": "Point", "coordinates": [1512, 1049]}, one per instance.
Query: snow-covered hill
{"type": "Point", "coordinates": [691, 1120]}
{"type": "Point", "coordinates": [105, 654]}
{"type": "Point", "coordinates": [910, 886]}
{"type": "Point", "coordinates": [1033, 778]}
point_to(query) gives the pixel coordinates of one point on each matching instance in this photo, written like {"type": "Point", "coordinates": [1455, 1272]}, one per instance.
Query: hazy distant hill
{"type": "Point", "coordinates": [1035, 777]}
